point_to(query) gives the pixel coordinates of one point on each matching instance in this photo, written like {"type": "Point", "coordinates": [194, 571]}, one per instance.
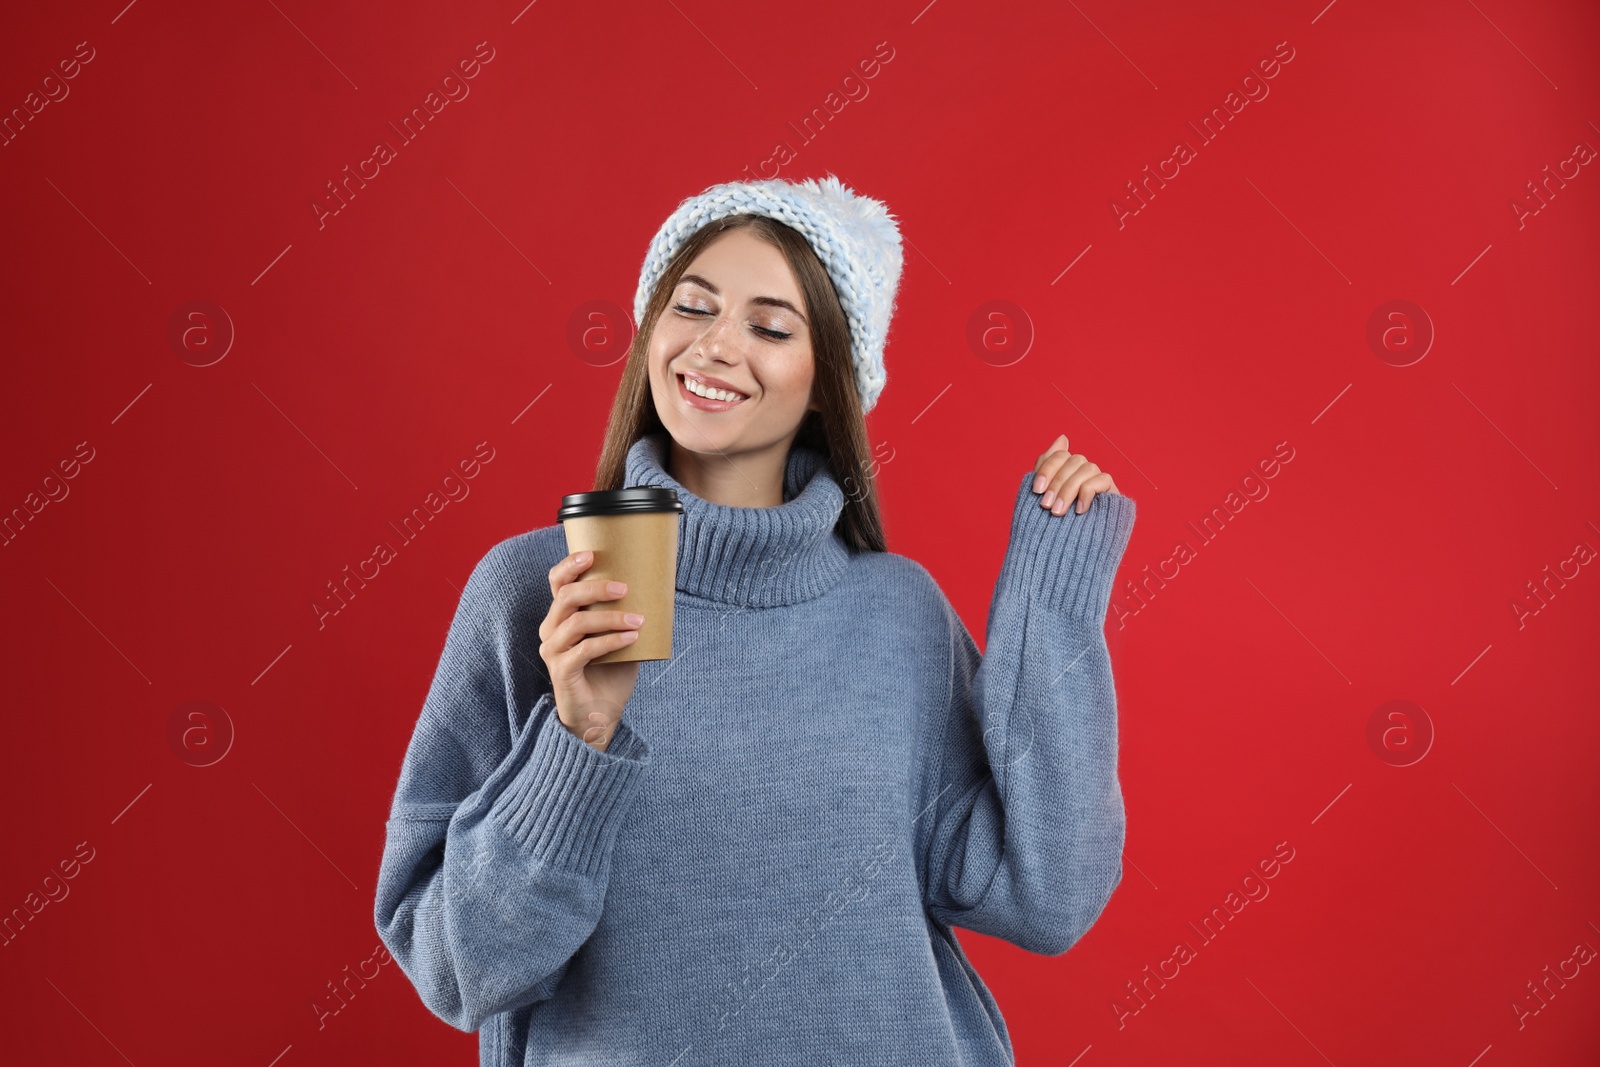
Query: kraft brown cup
{"type": "Point", "coordinates": [633, 534]}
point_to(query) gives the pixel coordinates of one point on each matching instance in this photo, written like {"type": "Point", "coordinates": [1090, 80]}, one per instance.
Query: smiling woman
{"type": "Point", "coordinates": [756, 852]}
{"type": "Point", "coordinates": [731, 367]}
{"type": "Point", "coordinates": [745, 306]}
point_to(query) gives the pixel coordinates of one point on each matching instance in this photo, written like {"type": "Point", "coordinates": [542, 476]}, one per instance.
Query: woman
{"type": "Point", "coordinates": [755, 852]}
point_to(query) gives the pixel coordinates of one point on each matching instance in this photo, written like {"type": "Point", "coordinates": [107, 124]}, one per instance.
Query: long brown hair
{"type": "Point", "coordinates": [838, 431]}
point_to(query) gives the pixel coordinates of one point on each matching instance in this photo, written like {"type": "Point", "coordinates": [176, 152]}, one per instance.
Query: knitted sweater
{"type": "Point", "coordinates": [765, 864]}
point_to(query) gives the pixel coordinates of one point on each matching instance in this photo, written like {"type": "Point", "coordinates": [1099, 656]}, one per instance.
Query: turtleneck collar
{"type": "Point", "coordinates": [755, 557]}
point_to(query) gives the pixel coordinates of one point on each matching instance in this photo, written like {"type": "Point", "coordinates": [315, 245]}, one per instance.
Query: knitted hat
{"type": "Point", "coordinates": [854, 236]}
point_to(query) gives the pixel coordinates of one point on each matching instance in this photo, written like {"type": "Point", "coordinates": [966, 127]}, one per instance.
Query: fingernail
{"type": "Point", "coordinates": [616, 587]}
{"type": "Point", "coordinates": [1049, 498]}
{"type": "Point", "coordinates": [1038, 483]}
{"type": "Point", "coordinates": [583, 557]}
{"type": "Point", "coordinates": [631, 619]}
{"type": "Point", "coordinates": [630, 635]}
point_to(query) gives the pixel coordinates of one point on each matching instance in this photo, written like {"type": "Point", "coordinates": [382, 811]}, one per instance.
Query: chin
{"type": "Point", "coordinates": [711, 442]}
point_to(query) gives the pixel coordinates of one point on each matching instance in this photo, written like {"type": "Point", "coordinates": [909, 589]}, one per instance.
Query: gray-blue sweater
{"type": "Point", "coordinates": [765, 864]}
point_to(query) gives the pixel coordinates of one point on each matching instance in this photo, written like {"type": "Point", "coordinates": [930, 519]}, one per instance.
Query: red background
{"type": "Point", "coordinates": [1230, 314]}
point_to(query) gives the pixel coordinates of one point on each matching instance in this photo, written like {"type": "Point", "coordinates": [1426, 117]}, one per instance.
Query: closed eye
{"type": "Point", "coordinates": [776, 335]}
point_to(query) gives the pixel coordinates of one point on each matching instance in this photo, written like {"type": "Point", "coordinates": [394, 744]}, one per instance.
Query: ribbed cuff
{"type": "Point", "coordinates": [1070, 561]}
{"type": "Point", "coordinates": [566, 801]}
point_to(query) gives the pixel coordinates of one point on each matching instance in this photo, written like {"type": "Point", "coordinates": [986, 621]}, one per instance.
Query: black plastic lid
{"type": "Point", "coordinates": [634, 499]}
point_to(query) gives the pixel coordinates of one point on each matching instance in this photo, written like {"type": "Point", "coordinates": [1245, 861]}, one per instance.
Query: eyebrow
{"type": "Point", "coordinates": [765, 301]}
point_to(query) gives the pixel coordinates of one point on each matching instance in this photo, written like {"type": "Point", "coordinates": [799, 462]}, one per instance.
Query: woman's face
{"type": "Point", "coordinates": [736, 317]}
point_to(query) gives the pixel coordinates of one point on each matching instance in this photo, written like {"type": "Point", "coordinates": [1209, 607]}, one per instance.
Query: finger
{"type": "Point", "coordinates": [580, 624]}
{"type": "Point", "coordinates": [1042, 479]}
{"type": "Point", "coordinates": [567, 568]}
{"type": "Point", "coordinates": [1071, 480]}
{"type": "Point", "coordinates": [600, 644]}
{"type": "Point", "coordinates": [1089, 488]}
{"type": "Point", "coordinates": [1050, 471]}
{"type": "Point", "coordinates": [1058, 480]}
{"type": "Point", "coordinates": [1086, 491]}
{"type": "Point", "coordinates": [590, 591]}
{"type": "Point", "coordinates": [570, 596]}
{"type": "Point", "coordinates": [571, 599]}
{"type": "Point", "coordinates": [567, 665]}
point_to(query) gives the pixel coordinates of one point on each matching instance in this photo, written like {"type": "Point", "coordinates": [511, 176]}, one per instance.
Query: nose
{"type": "Point", "coordinates": [713, 342]}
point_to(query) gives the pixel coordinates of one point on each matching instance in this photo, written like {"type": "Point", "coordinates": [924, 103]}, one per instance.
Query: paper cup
{"type": "Point", "coordinates": [633, 534]}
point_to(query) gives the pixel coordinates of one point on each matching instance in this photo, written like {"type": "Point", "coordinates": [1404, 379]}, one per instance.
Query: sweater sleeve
{"type": "Point", "coordinates": [499, 839]}
{"type": "Point", "coordinates": [1025, 814]}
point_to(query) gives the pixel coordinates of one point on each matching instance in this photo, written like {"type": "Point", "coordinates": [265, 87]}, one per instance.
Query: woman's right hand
{"type": "Point", "coordinates": [589, 697]}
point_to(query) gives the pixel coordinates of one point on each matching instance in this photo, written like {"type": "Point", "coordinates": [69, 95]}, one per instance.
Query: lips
{"type": "Point", "coordinates": [701, 403]}
{"type": "Point", "coordinates": [715, 383]}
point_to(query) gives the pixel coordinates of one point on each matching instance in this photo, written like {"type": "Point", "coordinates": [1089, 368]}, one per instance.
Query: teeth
{"type": "Point", "coordinates": [709, 393]}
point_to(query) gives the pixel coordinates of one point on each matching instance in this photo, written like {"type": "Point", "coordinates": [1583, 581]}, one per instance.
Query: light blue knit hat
{"type": "Point", "coordinates": [854, 236]}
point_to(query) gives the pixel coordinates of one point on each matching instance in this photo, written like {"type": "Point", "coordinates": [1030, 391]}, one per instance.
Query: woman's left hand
{"type": "Point", "coordinates": [1062, 475]}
